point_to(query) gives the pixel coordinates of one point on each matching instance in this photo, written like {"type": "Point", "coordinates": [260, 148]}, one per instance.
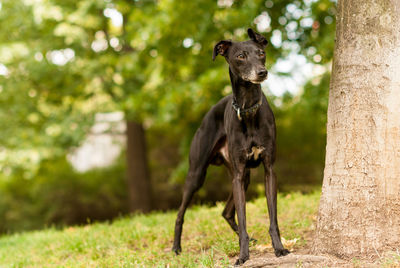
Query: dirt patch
{"type": "Point", "coordinates": [294, 260]}
{"type": "Point", "coordinates": [302, 258]}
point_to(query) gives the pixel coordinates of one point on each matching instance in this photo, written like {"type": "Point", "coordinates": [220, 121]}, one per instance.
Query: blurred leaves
{"type": "Point", "coordinates": [68, 60]}
{"type": "Point", "coordinates": [59, 195]}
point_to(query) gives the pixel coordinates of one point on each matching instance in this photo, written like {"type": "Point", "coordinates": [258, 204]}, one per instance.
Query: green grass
{"type": "Point", "coordinates": [145, 240]}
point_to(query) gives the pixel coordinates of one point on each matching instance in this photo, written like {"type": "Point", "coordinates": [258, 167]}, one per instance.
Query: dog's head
{"type": "Point", "coordinates": [246, 59]}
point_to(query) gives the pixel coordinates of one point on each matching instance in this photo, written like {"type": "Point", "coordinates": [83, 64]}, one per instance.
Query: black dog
{"type": "Point", "coordinates": [239, 132]}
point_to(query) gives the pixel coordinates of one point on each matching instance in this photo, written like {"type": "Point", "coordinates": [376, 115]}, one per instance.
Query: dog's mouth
{"type": "Point", "coordinates": [255, 78]}
{"type": "Point", "coordinates": [259, 80]}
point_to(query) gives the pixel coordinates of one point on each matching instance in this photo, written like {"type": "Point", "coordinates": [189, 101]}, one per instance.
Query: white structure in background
{"type": "Point", "coordinates": [102, 145]}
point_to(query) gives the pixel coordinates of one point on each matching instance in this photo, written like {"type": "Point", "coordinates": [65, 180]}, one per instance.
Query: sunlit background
{"type": "Point", "coordinates": [75, 74]}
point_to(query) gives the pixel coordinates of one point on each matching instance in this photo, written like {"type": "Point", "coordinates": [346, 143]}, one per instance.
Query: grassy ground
{"type": "Point", "coordinates": [145, 240]}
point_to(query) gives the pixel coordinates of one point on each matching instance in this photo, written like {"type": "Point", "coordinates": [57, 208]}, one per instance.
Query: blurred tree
{"type": "Point", "coordinates": [67, 61]}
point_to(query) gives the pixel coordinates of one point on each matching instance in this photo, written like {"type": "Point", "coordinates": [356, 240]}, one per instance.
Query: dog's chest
{"type": "Point", "coordinates": [255, 152]}
{"type": "Point", "coordinates": [252, 153]}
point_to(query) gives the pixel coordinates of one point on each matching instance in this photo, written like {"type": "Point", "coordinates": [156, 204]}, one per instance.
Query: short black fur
{"type": "Point", "coordinates": [238, 141]}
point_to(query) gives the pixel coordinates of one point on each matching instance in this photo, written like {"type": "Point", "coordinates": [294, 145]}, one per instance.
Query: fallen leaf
{"type": "Point", "coordinates": [263, 247]}
{"type": "Point", "coordinates": [289, 243]}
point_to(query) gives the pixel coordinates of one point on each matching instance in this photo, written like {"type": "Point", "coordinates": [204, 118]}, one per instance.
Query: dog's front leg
{"type": "Point", "coordinates": [271, 194]}
{"type": "Point", "coordinates": [240, 206]}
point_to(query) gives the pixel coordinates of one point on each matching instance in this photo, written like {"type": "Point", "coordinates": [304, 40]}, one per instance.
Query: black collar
{"type": "Point", "coordinates": [246, 112]}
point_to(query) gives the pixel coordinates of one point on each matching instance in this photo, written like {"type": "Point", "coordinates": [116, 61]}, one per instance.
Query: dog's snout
{"type": "Point", "coordinates": [262, 73]}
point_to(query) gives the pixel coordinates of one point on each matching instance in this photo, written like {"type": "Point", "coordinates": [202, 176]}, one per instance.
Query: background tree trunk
{"type": "Point", "coordinates": [359, 212]}
{"type": "Point", "coordinates": [137, 169]}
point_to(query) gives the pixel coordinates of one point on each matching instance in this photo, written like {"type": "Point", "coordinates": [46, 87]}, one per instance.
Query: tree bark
{"type": "Point", "coordinates": [137, 169]}
{"type": "Point", "coordinates": [359, 212]}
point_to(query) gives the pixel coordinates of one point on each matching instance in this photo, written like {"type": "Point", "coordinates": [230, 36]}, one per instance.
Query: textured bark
{"type": "Point", "coordinates": [137, 170]}
{"type": "Point", "coordinates": [359, 213]}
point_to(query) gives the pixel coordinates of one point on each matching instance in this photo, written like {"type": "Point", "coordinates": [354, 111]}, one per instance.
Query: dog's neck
{"type": "Point", "coordinates": [245, 93]}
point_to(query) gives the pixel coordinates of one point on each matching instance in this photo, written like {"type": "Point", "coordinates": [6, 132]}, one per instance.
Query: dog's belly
{"type": "Point", "coordinates": [221, 154]}
{"type": "Point", "coordinates": [225, 152]}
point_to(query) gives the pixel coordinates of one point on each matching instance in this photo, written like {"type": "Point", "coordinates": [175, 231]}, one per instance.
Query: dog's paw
{"type": "Point", "coordinates": [281, 252]}
{"type": "Point", "coordinates": [177, 250]}
{"type": "Point", "coordinates": [240, 261]}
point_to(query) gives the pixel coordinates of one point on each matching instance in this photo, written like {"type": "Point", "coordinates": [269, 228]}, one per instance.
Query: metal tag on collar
{"type": "Point", "coordinates": [238, 114]}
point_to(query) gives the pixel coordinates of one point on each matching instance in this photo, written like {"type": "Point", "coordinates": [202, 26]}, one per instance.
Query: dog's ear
{"type": "Point", "coordinates": [221, 48]}
{"type": "Point", "coordinates": [256, 37]}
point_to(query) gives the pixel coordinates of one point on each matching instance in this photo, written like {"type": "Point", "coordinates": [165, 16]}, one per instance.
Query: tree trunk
{"type": "Point", "coordinates": [137, 170]}
{"type": "Point", "coordinates": [359, 212]}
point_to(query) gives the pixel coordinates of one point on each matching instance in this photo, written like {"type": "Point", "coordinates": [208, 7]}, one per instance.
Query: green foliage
{"type": "Point", "coordinates": [301, 136]}
{"type": "Point", "coordinates": [67, 60]}
{"type": "Point", "coordinates": [60, 196]}
{"type": "Point", "coordinates": [141, 66]}
{"type": "Point", "coordinates": [145, 240]}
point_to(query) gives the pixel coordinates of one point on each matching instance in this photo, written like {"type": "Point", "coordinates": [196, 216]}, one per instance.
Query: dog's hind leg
{"type": "Point", "coordinates": [194, 181]}
{"type": "Point", "coordinates": [201, 154]}
{"type": "Point", "coordinates": [229, 210]}
{"type": "Point", "coordinates": [229, 214]}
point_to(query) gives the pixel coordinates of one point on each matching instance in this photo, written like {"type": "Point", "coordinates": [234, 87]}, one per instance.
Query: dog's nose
{"type": "Point", "coordinates": [262, 73]}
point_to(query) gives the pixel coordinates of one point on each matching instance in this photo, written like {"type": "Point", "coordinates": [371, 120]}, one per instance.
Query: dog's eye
{"type": "Point", "coordinates": [240, 56]}
{"type": "Point", "coordinates": [261, 54]}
